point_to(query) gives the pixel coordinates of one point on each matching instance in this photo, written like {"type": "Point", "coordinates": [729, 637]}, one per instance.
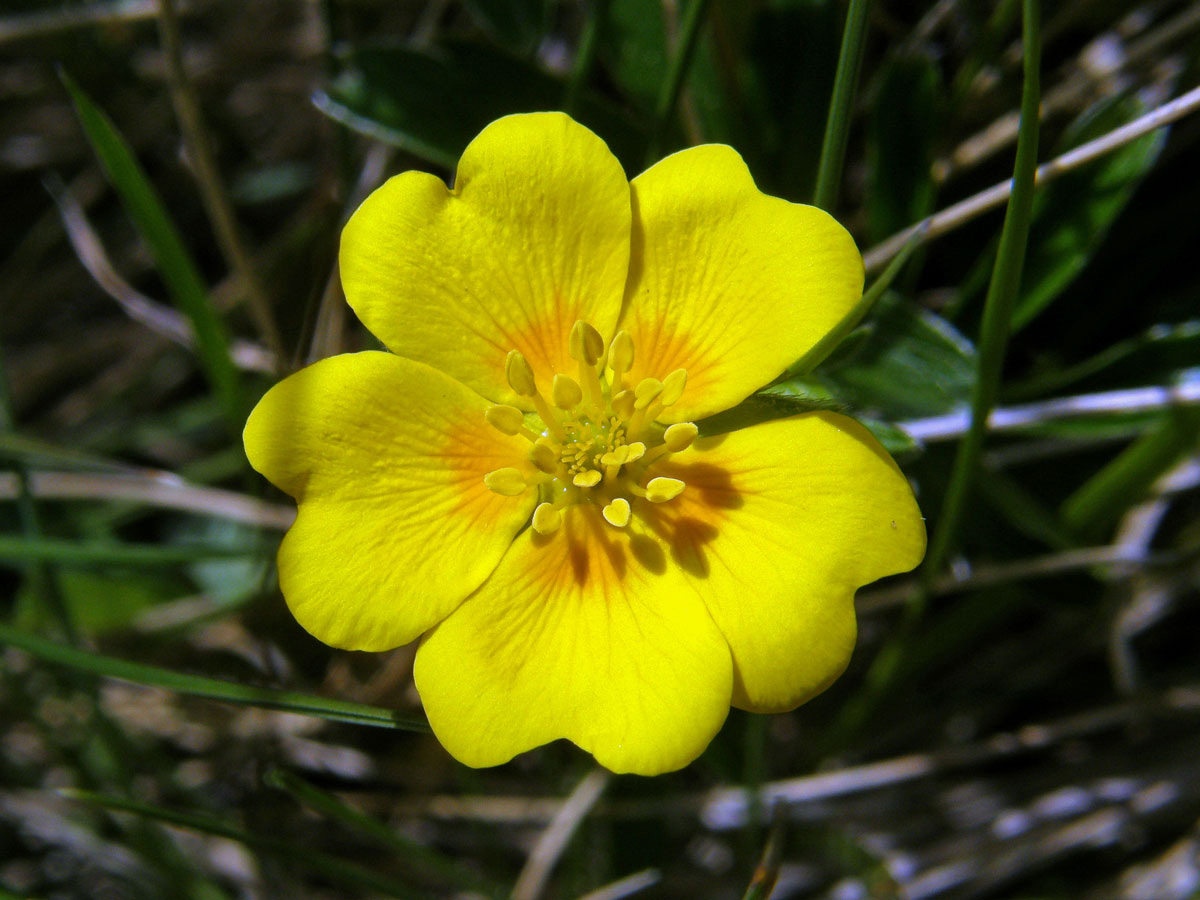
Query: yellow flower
{"type": "Point", "coordinates": [520, 481]}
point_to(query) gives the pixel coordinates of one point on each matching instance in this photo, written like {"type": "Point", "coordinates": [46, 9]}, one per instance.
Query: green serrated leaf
{"type": "Point", "coordinates": [790, 398]}
{"type": "Point", "coordinates": [913, 364]}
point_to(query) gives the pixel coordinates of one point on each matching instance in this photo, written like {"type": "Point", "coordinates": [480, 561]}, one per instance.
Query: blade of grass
{"type": "Point", "coordinates": [766, 873]}
{"type": "Point", "coordinates": [1001, 295]}
{"type": "Point", "coordinates": [837, 124]}
{"type": "Point", "coordinates": [43, 581]}
{"type": "Point", "coordinates": [323, 864]}
{"type": "Point", "coordinates": [672, 86]}
{"type": "Point", "coordinates": [412, 851]}
{"type": "Point", "coordinates": [176, 267]}
{"type": "Point", "coordinates": [209, 688]}
{"type": "Point", "coordinates": [820, 351]}
{"type": "Point", "coordinates": [1097, 503]}
{"type": "Point", "coordinates": [84, 553]}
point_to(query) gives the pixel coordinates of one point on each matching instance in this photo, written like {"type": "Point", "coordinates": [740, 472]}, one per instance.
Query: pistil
{"type": "Point", "coordinates": [594, 444]}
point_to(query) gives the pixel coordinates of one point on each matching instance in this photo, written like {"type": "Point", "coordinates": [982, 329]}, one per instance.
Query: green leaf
{"type": "Point", "coordinates": [405, 97]}
{"type": "Point", "coordinates": [174, 264]}
{"type": "Point", "coordinates": [520, 24]}
{"type": "Point", "coordinates": [1075, 212]}
{"type": "Point", "coordinates": [904, 120]}
{"type": "Point", "coordinates": [790, 398]}
{"type": "Point", "coordinates": [100, 603]}
{"type": "Point", "coordinates": [211, 688]}
{"type": "Point", "coordinates": [914, 363]}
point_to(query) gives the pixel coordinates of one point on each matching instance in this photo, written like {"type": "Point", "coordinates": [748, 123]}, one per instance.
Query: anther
{"type": "Point", "coordinates": [617, 513]}
{"type": "Point", "coordinates": [622, 404]}
{"type": "Point", "coordinates": [673, 386]}
{"type": "Point", "coordinates": [508, 482]}
{"type": "Point", "coordinates": [507, 419]}
{"type": "Point", "coordinates": [587, 478]}
{"type": "Point", "coordinates": [635, 451]}
{"type": "Point", "coordinates": [620, 358]}
{"type": "Point", "coordinates": [660, 490]}
{"type": "Point", "coordinates": [544, 455]}
{"type": "Point", "coordinates": [646, 391]}
{"type": "Point", "coordinates": [679, 436]}
{"type": "Point", "coordinates": [519, 374]}
{"type": "Point", "coordinates": [546, 519]}
{"type": "Point", "coordinates": [566, 392]}
{"type": "Point", "coordinates": [586, 344]}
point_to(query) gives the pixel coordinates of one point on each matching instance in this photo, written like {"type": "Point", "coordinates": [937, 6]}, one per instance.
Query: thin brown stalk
{"type": "Point", "coordinates": [212, 190]}
{"type": "Point", "coordinates": [973, 207]}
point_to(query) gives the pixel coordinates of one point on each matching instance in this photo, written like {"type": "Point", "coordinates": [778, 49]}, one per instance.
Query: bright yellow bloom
{"type": "Point", "coordinates": [520, 481]}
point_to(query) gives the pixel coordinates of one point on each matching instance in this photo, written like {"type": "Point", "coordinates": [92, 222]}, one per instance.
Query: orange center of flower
{"type": "Point", "coordinates": [596, 439]}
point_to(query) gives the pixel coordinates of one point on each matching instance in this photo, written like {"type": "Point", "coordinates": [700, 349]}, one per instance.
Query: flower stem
{"type": "Point", "coordinates": [837, 125]}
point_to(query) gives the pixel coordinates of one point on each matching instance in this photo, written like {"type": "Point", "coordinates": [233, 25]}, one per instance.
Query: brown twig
{"type": "Point", "coordinates": [212, 190]}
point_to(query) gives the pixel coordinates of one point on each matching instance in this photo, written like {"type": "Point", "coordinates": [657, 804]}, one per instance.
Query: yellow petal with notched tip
{"type": "Point", "coordinates": [779, 525]}
{"type": "Point", "coordinates": [387, 459]}
{"type": "Point", "coordinates": [726, 282]}
{"type": "Point", "coordinates": [589, 634]}
{"type": "Point", "coordinates": [533, 237]}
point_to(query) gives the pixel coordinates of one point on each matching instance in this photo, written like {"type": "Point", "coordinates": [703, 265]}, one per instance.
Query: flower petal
{"type": "Point", "coordinates": [386, 458]}
{"type": "Point", "coordinates": [534, 235]}
{"type": "Point", "coordinates": [727, 282]}
{"type": "Point", "coordinates": [778, 526]}
{"type": "Point", "coordinates": [588, 634]}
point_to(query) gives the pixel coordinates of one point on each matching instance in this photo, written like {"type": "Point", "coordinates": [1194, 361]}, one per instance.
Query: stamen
{"type": "Point", "coordinates": [520, 374]}
{"type": "Point", "coordinates": [566, 392]}
{"type": "Point", "coordinates": [622, 404]}
{"type": "Point", "coordinates": [587, 478]}
{"type": "Point", "coordinates": [617, 513]}
{"type": "Point", "coordinates": [544, 455]}
{"type": "Point", "coordinates": [660, 490]}
{"type": "Point", "coordinates": [673, 386]}
{"type": "Point", "coordinates": [620, 358]}
{"type": "Point", "coordinates": [586, 344]}
{"type": "Point", "coordinates": [546, 519]}
{"type": "Point", "coordinates": [680, 436]}
{"type": "Point", "coordinates": [508, 482]}
{"type": "Point", "coordinates": [646, 391]}
{"type": "Point", "coordinates": [509, 420]}
{"type": "Point", "coordinates": [636, 450]}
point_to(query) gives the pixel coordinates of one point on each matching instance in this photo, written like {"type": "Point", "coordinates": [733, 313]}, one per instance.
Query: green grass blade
{"type": "Point", "coordinates": [329, 867]}
{"type": "Point", "coordinates": [63, 552]}
{"type": "Point", "coordinates": [837, 124]}
{"type": "Point", "coordinates": [210, 688]}
{"type": "Point", "coordinates": [1001, 297]}
{"type": "Point", "coordinates": [175, 265]}
{"type": "Point", "coordinates": [1096, 504]}
{"type": "Point", "coordinates": [410, 850]}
